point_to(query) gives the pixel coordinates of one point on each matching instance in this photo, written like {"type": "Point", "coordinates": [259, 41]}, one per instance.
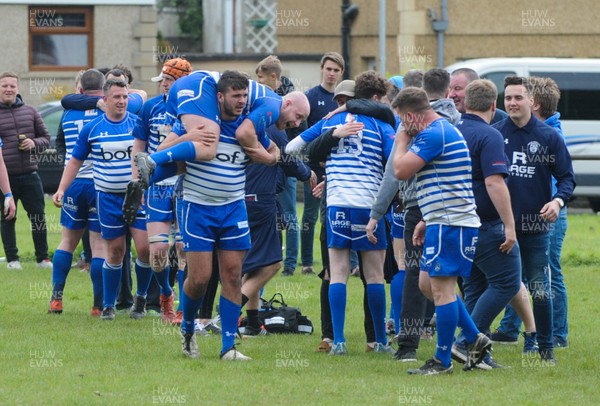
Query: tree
{"type": "Point", "coordinates": [191, 19]}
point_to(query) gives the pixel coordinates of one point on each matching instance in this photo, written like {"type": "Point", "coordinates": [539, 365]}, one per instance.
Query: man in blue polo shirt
{"type": "Point", "coordinates": [496, 273]}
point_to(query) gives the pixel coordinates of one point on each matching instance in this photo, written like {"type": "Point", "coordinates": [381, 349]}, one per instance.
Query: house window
{"type": "Point", "coordinates": [60, 38]}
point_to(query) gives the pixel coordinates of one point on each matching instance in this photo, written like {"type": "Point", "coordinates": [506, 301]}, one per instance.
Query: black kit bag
{"type": "Point", "coordinates": [279, 318]}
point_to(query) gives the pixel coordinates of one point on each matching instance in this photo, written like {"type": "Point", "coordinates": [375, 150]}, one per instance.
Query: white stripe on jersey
{"type": "Point", "coordinates": [72, 122]}
{"type": "Point", "coordinates": [444, 186]}
{"type": "Point", "coordinates": [354, 169]}
{"type": "Point", "coordinates": [159, 125]}
{"type": "Point", "coordinates": [220, 181]}
{"type": "Point", "coordinates": [111, 154]}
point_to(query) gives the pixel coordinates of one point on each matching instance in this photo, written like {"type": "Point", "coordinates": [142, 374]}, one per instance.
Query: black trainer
{"type": "Point", "coordinates": [432, 367]}
{"type": "Point", "coordinates": [405, 355]}
{"type": "Point", "coordinates": [108, 313]}
{"type": "Point", "coordinates": [547, 355]}
{"type": "Point", "coordinates": [145, 166]}
{"type": "Point", "coordinates": [189, 345]}
{"type": "Point", "coordinates": [250, 331]}
{"type": "Point", "coordinates": [139, 308]}
{"type": "Point", "coordinates": [132, 201]}
{"type": "Point", "coordinates": [478, 350]}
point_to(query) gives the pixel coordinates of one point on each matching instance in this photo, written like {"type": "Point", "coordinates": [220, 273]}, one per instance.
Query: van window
{"type": "Point", "coordinates": [579, 94]}
{"type": "Point", "coordinates": [498, 79]}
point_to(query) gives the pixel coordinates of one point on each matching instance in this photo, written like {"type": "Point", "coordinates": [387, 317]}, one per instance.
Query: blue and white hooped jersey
{"type": "Point", "coordinates": [444, 184]}
{"type": "Point", "coordinates": [355, 167]}
{"type": "Point", "coordinates": [222, 180]}
{"type": "Point", "coordinates": [155, 124]}
{"type": "Point", "coordinates": [154, 127]}
{"type": "Point", "coordinates": [108, 144]}
{"type": "Point", "coordinates": [72, 124]}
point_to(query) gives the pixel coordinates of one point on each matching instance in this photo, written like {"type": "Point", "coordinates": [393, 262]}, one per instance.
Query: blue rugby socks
{"type": "Point", "coordinates": [447, 321]}
{"type": "Point", "coordinates": [230, 312]}
{"type": "Point", "coordinates": [190, 310]}
{"type": "Point", "coordinates": [111, 276]}
{"type": "Point", "coordinates": [376, 295]}
{"type": "Point", "coordinates": [96, 276]}
{"type": "Point", "coordinates": [337, 303]}
{"type": "Point", "coordinates": [61, 265]}
{"type": "Point", "coordinates": [396, 289]}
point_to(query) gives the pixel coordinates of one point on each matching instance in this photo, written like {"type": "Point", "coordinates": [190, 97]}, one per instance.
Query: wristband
{"type": "Point", "coordinates": [7, 195]}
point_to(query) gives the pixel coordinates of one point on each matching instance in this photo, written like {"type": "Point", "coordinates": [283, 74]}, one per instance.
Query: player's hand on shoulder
{"type": "Point", "coordinates": [348, 129]}
{"type": "Point", "coordinates": [334, 112]}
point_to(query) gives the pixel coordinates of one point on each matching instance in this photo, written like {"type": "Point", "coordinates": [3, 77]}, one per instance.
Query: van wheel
{"type": "Point", "coordinates": [595, 204]}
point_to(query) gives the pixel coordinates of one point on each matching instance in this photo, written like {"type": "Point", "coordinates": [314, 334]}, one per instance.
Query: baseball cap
{"type": "Point", "coordinates": [176, 67]}
{"type": "Point", "coordinates": [397, 81]}
{"type": "Point", "coordinates": [345, 87]}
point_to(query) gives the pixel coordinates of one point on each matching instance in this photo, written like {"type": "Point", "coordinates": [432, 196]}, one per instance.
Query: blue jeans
{"type": "Point", "coordinates": [534, 254]}
{"type": "Point", "coordinates": [287, 200]}
{"type": "Point", "coordinates": [559, 291]}
{"type": "Point", "coordinates": [307, 230]}
{"type": "Point", "coordinates": [353, 259]}
{"type": "Point", "coordinates": [495, 276]}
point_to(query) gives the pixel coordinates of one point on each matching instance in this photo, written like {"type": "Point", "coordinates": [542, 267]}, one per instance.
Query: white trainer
{"type": "Point", "coordinates": [234, 355]}
{"type": "Point", "coordinates": [16, 265]}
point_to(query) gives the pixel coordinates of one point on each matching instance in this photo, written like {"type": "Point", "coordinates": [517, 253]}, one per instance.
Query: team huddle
{"type": "Point", "coordinates": [423, 167]}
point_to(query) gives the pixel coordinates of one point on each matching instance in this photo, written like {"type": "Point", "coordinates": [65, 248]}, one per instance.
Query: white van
{"type": "Point", "coordinates": [579, 107]}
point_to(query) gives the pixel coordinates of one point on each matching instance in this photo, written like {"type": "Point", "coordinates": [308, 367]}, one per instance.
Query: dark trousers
{"type": "Point", "coordinates": [414, 303]}
{"type": "Point", "coordinates": [211, 290]}
{"type": "Point", "coordinates": [87, 248]}
{"type": "Point", "coordinates": [125, 298]}
{"type": "Point", "coordinates": [28, 189]}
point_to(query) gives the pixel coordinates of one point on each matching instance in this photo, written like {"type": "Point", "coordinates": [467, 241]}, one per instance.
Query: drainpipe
{"type": "Point", "coordinates": [440, 27]}
{"type": "Point", "coordinates": [228, 26]}
{"type": "Point", "coordinates": [382, 38]}
{"type": "Point", "coordinates": [349, 13]}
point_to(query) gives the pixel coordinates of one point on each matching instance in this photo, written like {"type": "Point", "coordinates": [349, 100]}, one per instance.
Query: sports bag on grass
{"type": "Point", "coordinates": [278, 317]}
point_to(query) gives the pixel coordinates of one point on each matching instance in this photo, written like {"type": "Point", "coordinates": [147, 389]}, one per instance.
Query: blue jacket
{"type": "Point", "coordinates": [536, 152]}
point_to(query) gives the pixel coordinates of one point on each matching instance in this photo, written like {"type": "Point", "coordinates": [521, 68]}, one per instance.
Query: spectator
{"type": "Point", "coordinates": [536, 153]}
{"type": "Point", "coordinates": [459, 80]}
{"type": "Point", "coordinates": [24, 136]}
{"type": "Point", "coordinates": [496, 273]}
{"type": "Point", "coordinates": [321, 102]}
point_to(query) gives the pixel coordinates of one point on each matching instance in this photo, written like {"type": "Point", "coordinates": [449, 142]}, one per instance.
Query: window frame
{"type": "Point", "coordinates": [88, 30]}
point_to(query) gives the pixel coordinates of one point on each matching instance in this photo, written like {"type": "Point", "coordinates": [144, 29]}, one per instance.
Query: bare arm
{"type": "Point", "coordinates": [498, 192]}
{"type": "Point", "coordinates": [248, 139]}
